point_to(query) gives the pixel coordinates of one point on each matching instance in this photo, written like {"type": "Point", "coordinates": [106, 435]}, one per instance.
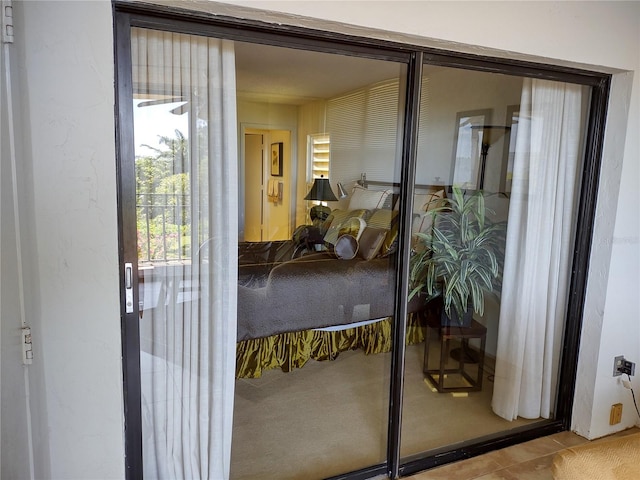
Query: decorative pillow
{"type": "Point", "coordinates": [391, 201]}
{"type": "Point", "coordinates": [353, 226]}
{"type": "Point", "coordinates": [382, 219]}
{"type": "Point", "coordinates": [390, 244]}
{"type": "Point", "coordinates": [371, 242]}
{"type": "Point", "coordinates": [368, 199]}
{"type": "Point", "coordinates": [387, 220]}
{"type": "Point", "coordinates": [346, 247]}
{"type": "Point", "coordinates": [340, 218]}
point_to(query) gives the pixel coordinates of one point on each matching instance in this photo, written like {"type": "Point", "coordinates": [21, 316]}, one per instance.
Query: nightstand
{"type": "Point", "coordinates": [453, 378]}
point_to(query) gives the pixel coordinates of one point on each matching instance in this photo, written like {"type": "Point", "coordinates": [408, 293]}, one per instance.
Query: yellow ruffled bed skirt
{"type": "Point", "coordinates": [294, 349]}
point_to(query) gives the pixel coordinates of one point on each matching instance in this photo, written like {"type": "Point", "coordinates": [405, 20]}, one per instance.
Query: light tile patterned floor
{"type": "Point", "coordinates": [527, 461]}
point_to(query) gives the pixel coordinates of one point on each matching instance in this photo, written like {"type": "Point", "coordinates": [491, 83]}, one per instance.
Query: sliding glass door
{"type": "Point", "coordinates": [314, 310]}
{"type": "Point", "coordinates": [184, 104]}
{"type": "Point", "coordinates": [254, 354]}
{"type": "Point", "coordinates": [496, 200]}
{"type": "Point", "coordinates": [413, 303]}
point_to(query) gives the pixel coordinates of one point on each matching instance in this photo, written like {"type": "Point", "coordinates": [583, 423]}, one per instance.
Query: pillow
{"type": "Point", "coordinates": [382, 219]}
{"type": "Point", "coordinates": [368, 199]}
{"type": "Point", "coordinates": [346, 247]}
{"type": "Point", "coordinates": [390, 244]}
{"type": "Point", "coordinates": [371, 242]}
{"type": "Point", "coordinates": [387, 220]}
{"type": "Point", "coordinates": [391, 201]}
{"type": "Point", "coordinates": [338, 219]}
{"type": "Point", "coordinates": [353, 226]}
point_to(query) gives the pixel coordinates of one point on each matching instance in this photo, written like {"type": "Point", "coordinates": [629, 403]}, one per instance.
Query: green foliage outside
{"type": "Point", "coordinates": [163, 201]}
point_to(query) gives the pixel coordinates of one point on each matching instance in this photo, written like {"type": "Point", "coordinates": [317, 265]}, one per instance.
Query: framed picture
{"type": "Point", "coordinates": [512, 120]}
{"type": "Point", "coordinates": [276, 159]}
{"type": "Point", "coordinates": [467, 148]}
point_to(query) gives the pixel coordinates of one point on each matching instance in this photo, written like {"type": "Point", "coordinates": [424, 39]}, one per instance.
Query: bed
{"type": "Point", "coordinates": [297, 304]}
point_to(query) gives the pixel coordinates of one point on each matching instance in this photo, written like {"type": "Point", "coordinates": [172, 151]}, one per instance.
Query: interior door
{"type": "Point", "coordinates": [253, 187]}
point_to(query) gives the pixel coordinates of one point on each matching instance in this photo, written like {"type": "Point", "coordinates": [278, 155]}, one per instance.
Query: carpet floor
{"type": "Point", "coordinates": [330, 417]}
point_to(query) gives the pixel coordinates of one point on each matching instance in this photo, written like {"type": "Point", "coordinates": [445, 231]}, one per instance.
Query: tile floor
{"type": "Point", "coordinates": [527, 461]}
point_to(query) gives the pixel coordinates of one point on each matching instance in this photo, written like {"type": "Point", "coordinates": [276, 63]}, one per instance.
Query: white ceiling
{"type": "Point", "coordinates": [291, 76]}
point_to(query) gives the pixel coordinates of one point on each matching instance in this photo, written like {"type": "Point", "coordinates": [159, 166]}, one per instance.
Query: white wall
{"type": "Point", "coordinates": [311, 119]}
{"type": "Point", "coordinates": [14, 439]}
{"type": "Point", "coordinates": [66, 76]}
{"type": "Point", "coordinates": [68, 134]}
{"type": "Point", "coordinates": [452, 91]}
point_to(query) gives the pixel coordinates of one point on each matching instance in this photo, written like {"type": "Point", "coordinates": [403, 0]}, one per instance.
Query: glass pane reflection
{"type": "Point", "coordinates": [314, 304]}
{"type": "Point", "coordinates": [492, 248]}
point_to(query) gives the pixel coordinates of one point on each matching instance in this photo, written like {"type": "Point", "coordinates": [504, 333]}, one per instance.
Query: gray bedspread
{"type": "Point", "coordinates": [313, 291]}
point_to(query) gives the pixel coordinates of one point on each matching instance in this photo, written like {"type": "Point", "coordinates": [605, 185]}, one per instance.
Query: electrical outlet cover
{"type": "Point", "coordinates": [618, 362]}
{"type": "Point", "coordinates": [629, 368]}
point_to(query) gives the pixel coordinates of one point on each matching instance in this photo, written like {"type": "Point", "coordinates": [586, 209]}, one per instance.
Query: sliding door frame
{"type": "Point", "coordinates": [128, 15]}
{"type": "Point", "coordinates": [127, 242]}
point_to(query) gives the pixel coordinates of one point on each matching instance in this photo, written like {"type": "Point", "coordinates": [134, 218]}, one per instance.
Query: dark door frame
{"type": "Point", "coordinates": [127, 15]}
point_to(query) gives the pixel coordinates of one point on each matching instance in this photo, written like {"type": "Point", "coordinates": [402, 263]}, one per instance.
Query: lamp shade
{"type": "Point", "coordinates": [321, 191]}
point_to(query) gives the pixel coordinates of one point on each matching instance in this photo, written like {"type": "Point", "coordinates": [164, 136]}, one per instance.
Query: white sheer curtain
{"type": "Point", "coordinates": [188, 315]}
{"type": "Point", "coordinates": [538, 249]}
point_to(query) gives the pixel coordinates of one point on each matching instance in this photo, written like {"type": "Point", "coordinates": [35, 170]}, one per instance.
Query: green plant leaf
{"type": "Point", "coordinates": [462, 255]}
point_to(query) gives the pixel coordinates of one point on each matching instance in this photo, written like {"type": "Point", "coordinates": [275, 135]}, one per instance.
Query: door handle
{"type": "Point", "coordinates": [128, 287]}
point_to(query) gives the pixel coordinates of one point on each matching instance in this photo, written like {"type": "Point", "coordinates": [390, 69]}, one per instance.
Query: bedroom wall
{"type": "Point", "coordinates": [449, 91]}
{"type": "Point", "coordinates": [452, 91]}
{"type": "Point", "coordinates": [311, 119]}
{"type": "Point", "coordinates": [278, 214]}
{"type": "Point", "coordinates": [67, 133]}
{"type": "Point", "coordinates": [267, 116]}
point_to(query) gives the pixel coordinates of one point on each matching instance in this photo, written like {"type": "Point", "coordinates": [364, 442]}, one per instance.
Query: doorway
{"type": "Point", "coordinates": [267, 192]}
{"type": "Point", "coordinates": [253, 187]}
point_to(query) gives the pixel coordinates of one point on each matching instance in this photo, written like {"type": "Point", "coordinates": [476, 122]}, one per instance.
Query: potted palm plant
{"type": "Point", "coordinates": [460, 259]}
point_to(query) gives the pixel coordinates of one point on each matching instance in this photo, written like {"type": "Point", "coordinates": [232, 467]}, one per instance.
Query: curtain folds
{"type": "Point", "coordinates": [188, 339]}
{"type": "Point", "coordinates": [538, 249]}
